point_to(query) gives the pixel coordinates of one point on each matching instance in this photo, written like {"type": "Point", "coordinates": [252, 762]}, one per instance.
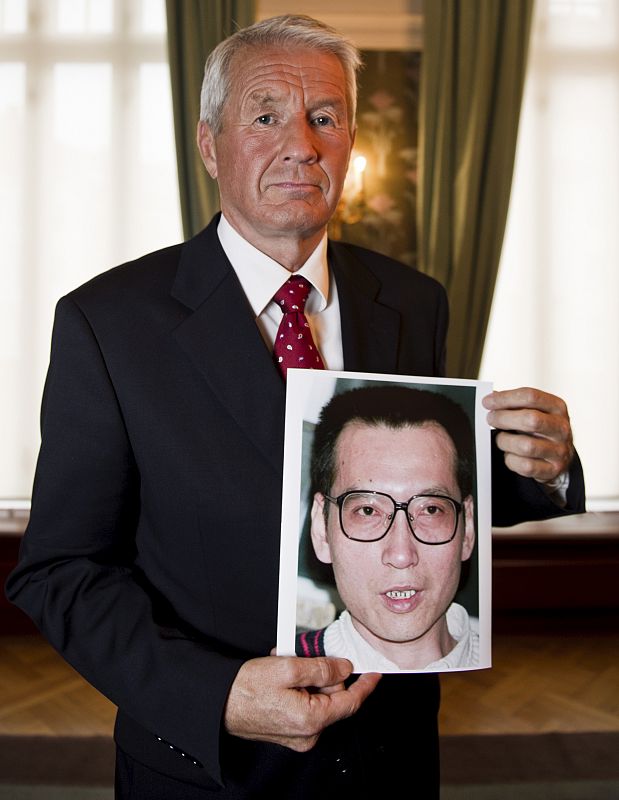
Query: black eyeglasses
{"type": "Point", "coordinates": [367, 516]}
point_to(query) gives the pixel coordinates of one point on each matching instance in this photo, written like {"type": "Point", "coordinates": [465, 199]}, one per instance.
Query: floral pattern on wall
{"type": "Point", "coordinates": [379, 206]}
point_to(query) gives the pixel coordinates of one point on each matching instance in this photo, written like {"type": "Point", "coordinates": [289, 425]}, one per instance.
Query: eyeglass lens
{"type": "Point", "coordinates": [367, 516]}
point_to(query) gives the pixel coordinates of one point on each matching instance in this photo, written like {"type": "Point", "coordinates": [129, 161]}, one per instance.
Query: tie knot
{"type": "Point", "coordinates": [292, 296]}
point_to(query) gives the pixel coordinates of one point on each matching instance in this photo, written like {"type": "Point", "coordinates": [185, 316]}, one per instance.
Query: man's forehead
{"type": "Point", "coordinates": [259, 72]}
{"type": "Point", "coordinates": [359, 435]}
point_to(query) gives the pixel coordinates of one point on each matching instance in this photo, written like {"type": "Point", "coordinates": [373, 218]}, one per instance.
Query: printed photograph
{"type": "Point", "coordinates": [390, 591]}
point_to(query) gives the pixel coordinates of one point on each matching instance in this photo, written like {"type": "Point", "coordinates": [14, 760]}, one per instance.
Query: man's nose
{"type": "Point", "coordinates": [401, 549]}
{"type": "Point", "coordinates": [299, 141]}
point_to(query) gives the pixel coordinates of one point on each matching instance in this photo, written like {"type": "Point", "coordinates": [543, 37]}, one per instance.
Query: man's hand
{"type": "Point", "coordinates": [289, 700]}
{"type": "Point", "coordinates": [536, 435]}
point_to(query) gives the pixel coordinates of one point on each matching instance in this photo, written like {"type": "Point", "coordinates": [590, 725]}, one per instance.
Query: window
{"type": "Point", "coordinates": [555, 316]}
{"type": "Point", "coordinates": [88, 177]}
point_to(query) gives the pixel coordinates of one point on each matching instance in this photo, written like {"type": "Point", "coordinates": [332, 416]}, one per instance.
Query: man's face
{"type": "Point", "coordinates": [282, 154]}
{"type": "Point", "coordinates": [397, 589]}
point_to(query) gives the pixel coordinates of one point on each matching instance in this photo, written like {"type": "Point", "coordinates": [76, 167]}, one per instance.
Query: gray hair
{"type": "Point", "coordinates": [288, 30]}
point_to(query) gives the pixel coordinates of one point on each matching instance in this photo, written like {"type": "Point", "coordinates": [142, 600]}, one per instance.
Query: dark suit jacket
{"type": "Point", "coordinates": [151, 558]}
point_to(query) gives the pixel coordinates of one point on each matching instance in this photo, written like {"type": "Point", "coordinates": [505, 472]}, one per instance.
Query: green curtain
{"type": "Point", "coordinates": [195, 28]}
{"type": "Point", "coordinates": [473, 71]}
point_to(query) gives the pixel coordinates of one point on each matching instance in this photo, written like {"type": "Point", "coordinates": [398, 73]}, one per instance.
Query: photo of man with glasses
{"type": "Point", "coordinates": [379, 450]}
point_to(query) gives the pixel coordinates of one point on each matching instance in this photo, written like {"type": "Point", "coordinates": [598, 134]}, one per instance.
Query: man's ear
{"type": "Point", "coordinates": [468, 542]}
{"type": "Point", "coordinates": [318, 530]}
{"type": "Point", "coordinates": [206, 146]}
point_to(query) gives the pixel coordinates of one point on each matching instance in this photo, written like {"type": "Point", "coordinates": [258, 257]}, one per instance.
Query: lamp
{"type": "Point", "coordinates": [352, 205]}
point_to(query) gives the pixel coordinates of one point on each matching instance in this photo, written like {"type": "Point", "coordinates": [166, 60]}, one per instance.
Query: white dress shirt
{"type": "Point", "coordinates": [261, 277]}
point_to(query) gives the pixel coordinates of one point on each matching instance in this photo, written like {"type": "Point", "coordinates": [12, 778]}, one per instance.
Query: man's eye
{"type": "Point", "coordinates": [433, 510]}
{"type": "Point", "coordinates": [322, 121]}
{"type": "Point", "coordinates": [365, 511]}
{"type": "Point", "coordinates": [265, 119]}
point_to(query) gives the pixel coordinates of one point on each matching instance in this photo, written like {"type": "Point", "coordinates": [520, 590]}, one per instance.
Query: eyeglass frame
{"type": "Point", "coordinates": [339, 502]}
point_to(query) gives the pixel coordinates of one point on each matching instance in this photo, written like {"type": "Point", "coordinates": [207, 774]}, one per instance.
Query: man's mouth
{"type": "Point", "coordinates": [396, 594]}
{"type": "Point", "coordinates": [306, 185]}
{"type": "Point", "coordinates": [402, 600]}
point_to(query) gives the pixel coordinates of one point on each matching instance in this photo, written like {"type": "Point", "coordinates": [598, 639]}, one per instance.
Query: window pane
{"type": "Point", "coordinates": [555, 313]}
{"type": "Point", "coordinates": [13, 127]}
{"type": "Point", "coordinates": [581, 23]}
{"type": "Point", "coordinates": [153, 162]}
{"type": "Point", "coordinates": [82, 105]}
{"type": "Point", "coordinates": [14, 280]}
{"type": "Point", "coordinates": [78, 176]}
{"type": "Point", "coordinates": [85, 16]}
{"type": "Point", "coordinates": [153, 18]}
{"type": "Point", "coordinates": [84, 187]}
{"type": "Point", "coordinates": [12, 88]}
{"type": "Point", "coordinates": [13, 17]}
{"type": "Point", "coordinates": [156, 133]}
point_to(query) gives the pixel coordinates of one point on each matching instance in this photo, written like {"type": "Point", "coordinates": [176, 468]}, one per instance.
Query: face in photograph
{"type": "Point", "coordinates": [396, 589]}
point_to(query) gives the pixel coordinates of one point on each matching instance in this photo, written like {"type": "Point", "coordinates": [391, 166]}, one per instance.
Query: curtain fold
{"type": "Point", "coordinates": [195, 28]}
{"type": "Point", "coordinates": [473, 72]}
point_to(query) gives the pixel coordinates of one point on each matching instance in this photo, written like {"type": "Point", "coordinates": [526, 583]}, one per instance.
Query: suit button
{"type": "Point", "coordinates": [341, 766]}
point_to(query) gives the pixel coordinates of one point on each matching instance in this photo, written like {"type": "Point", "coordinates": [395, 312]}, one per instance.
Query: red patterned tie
{"type": "Point", "coordinates": [294, 346]}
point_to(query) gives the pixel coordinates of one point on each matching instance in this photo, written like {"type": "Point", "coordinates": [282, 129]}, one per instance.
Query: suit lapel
{"type": "Point", "coordinates": [222, 340]}
{"type": "Point", "coordinates": [370, 330]}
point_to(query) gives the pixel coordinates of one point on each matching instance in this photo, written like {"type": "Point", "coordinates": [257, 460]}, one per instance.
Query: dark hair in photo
{"type": "Point", "coordinates": [394, 407]}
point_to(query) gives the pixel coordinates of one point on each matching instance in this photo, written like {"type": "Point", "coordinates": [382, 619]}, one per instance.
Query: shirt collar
{"type": "Point", "coordinates": [261, 276]}
{"type": "Point", "coordinates": [360, 651]}
{"type": "Point", "coordinates": [347, 642]}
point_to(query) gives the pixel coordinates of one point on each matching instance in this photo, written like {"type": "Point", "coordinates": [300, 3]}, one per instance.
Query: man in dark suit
{"type": "Point", "coordinates": [151, 558]}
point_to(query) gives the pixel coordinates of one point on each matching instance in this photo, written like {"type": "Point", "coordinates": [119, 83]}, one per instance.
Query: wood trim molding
{"type": "Point", "coordinates": [396, 25]}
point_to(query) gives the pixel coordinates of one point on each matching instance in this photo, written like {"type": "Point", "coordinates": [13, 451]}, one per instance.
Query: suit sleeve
{"type": "Point", "coordinates": [516, 499]}
{"type": "Point", "coordinates": [77, 577]}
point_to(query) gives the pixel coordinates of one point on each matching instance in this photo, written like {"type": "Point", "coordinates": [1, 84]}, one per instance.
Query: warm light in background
{"type": "Point", "coordinates": [354, 183]}
{"type": "Point", "coordinates": [352, 206]}
{"type": "Point", "coordinates": [359, 164]}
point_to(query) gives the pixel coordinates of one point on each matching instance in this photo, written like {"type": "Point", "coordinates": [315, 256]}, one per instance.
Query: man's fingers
{"type": "Point", "coordinates": [364, 686]}
{"type": "Point", "coordinates": [535, 457]}
{"type": "Point", "coordinates": [525, 397]}
{"type": "Point", "coordinates": [298, 744]}
{"type": "Point", "coordinates": [328, 708]}
{"type": "Point", "coordinates": [532, 421]}
{"type": "Point", "coordinates": [317, 672]}
{"type": "Point", "coordinates": [528, 410]}
{"type": "Point", "coordinates": [535, 431]}
{"type": "Point", "coordinates": [338, 687]}
{"type": "Point", "coordinates": [535, 447]}
{"type": "Point", "coordinates": [542, 471]}
{"type": "Point", "coordinates": [272, 700]}
{"type": "Point", "coordinates": [333, 700]}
